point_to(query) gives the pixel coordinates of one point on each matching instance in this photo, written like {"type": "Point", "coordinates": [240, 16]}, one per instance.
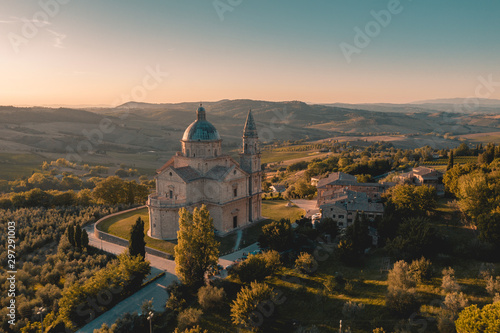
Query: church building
{"type": "Point", "coordinates": [203, 174]}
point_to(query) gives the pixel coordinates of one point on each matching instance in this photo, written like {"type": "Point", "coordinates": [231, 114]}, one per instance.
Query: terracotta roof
{"type": "Point", "coordinates": [166, 165]}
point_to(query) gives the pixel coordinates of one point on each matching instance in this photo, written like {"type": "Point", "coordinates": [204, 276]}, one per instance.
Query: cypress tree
{"type": "Point", "coordinates": [78, 236]}
{"type": "Point", "coordinates": [71, 235]}
{"type": "Point", "coordinates": [450, 161]}
{"type": "Point", "coordinates": [85, 239]}
{"type": "Point", "coordinates": [137, 244]}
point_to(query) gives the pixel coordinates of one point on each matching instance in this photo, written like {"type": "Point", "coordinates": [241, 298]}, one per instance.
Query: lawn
{"type": "Point", "coordinates": [15, 166]}
{"type": "Point", "coordinates": [120, 225]}
{"type": "Point", "coordinates": [272, 210]}
{"type": "Point", "coordinates": [277, 209]}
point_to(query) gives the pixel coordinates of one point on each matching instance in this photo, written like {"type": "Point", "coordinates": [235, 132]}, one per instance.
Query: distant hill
{"type": "Point", "coordinates": [480, 101]}
{"type": "Point", "coordinates": [15, 115]}
{"type": "Point", "coordinates": [139, 128]}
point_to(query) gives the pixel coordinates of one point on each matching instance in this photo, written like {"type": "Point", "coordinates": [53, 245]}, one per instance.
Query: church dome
{"type": "Point", "coordinates": [201, 129]}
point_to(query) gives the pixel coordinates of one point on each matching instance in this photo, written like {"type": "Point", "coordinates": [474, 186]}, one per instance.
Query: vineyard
{"type": "Point", "coordinates": [456, 160]}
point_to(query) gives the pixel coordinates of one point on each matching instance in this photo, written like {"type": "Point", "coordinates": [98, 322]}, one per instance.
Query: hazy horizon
{"type": "Point", "coordinates": [215, 101]}
{"type": "Point", "coordinates": [94, 53]}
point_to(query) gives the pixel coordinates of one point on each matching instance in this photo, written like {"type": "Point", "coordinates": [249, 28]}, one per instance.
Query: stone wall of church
{"type": "Point", "coordinates": [164, 222]}
{"type": "Point", "coordinates": [238, 209]}
{"type": "Point", "coordinates": [201, 149]}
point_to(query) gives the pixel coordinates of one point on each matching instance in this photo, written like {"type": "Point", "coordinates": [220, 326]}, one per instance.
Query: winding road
{"type": "Point", "coordinates": [155, 290]}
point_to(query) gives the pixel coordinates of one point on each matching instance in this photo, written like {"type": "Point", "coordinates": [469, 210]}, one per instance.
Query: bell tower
{"type": "Point", "coordinates": [250, 163]}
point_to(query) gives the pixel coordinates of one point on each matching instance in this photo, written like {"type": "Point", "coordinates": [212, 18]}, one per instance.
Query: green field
{"type": "Point", "coordinates": [277, 209]}
{"type": "Point", "coordinates": [15, 166]}
{"type": "Point", "coordinates": [120, 225]}
{"type": "Point", "coordinates": [278, 156]}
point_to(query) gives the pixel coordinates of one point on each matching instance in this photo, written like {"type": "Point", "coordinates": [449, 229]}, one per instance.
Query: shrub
{"type": "Point", "coordinates": [402, 301]}
{"type": "Point", "coordinates": [176, 301]}
{"type": "Point", "coordinates": [277, 235]}
{"type": "Point", "coordinates": [348, 287]}
{"type": "Point", "coordinates": [254, 268]}
{"type": "Point", "coordinates": [306, 263]}
{"type": "Point", "coordinates": [445, 322]}
{"type": "Point", "coordinates": [475, 320]}
{"type": "Point", "coordinates": [346, 252]}
{"type": "Point", "coordinates": [421, 269]}
{"type": "Point", "coordinates": [493, 285]}
{"type": "Point", "coordinates": [331, 284]}
{"type": "Point", "coordinates": [449, 283]}
{"type": "Point", "coordinates": [211, 297]}
{"type": "Point", "coordinates": [401, 296]}
{"type": "Point", "coordinates": [188, 318]}
{"type": "Point", "coordinates": [247, 301]}
{"type": "Point", "coordinates": [352, 309]}
{"type": "Point", "coordinates": [273, 260]}
{"type": "Point", "coordinates": [400, 277]}
{"type": "Point", "coordinates": [455, 302]}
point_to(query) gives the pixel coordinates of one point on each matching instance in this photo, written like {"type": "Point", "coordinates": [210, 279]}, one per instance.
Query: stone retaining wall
{"type": "Point", "coordinates": [99, 234]}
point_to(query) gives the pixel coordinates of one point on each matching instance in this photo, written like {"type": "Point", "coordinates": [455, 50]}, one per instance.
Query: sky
{"type": "Point", "coordinates": [108, 52]}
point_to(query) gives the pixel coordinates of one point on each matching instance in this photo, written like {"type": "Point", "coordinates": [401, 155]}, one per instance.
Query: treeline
{"type": "Point", "coordinates": [109, 191]}
{"type": "Point", "coordinates": [58, 175]}
{"type": "Point", "coordinates": [120, 278]}
{"type": "Point", "coordinates": [477, 189]}
{"type": "Point", "coordinates": [46, 261]}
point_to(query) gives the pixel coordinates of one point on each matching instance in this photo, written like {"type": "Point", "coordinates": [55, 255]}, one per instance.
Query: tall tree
{"type": "Point", "coordinates": [71, 234]}
{"type": "Point", "coordinates": [196, 251]}
{"type": "Point", "coordinates": [411, 200]}
{"type": "Point", "coordinates": [137, 243]}
{"type": "Point", "coordinates": [78, 236]}
{"type": "Point", "coordinates": [85, 239]}
{"type": "Point", "coordinates": [450, 161]}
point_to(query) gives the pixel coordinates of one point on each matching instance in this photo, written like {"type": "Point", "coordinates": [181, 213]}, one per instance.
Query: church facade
{"type": "Point", "coordinates": [202, 174]}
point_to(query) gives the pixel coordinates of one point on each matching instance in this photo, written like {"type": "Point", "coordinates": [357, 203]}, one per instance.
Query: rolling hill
{"type": "Point", "coordinates": [143, 128]}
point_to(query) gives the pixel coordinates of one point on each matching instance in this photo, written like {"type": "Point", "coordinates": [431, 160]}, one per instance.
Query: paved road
{"type": "Point", "coordinates": [156, 290]}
